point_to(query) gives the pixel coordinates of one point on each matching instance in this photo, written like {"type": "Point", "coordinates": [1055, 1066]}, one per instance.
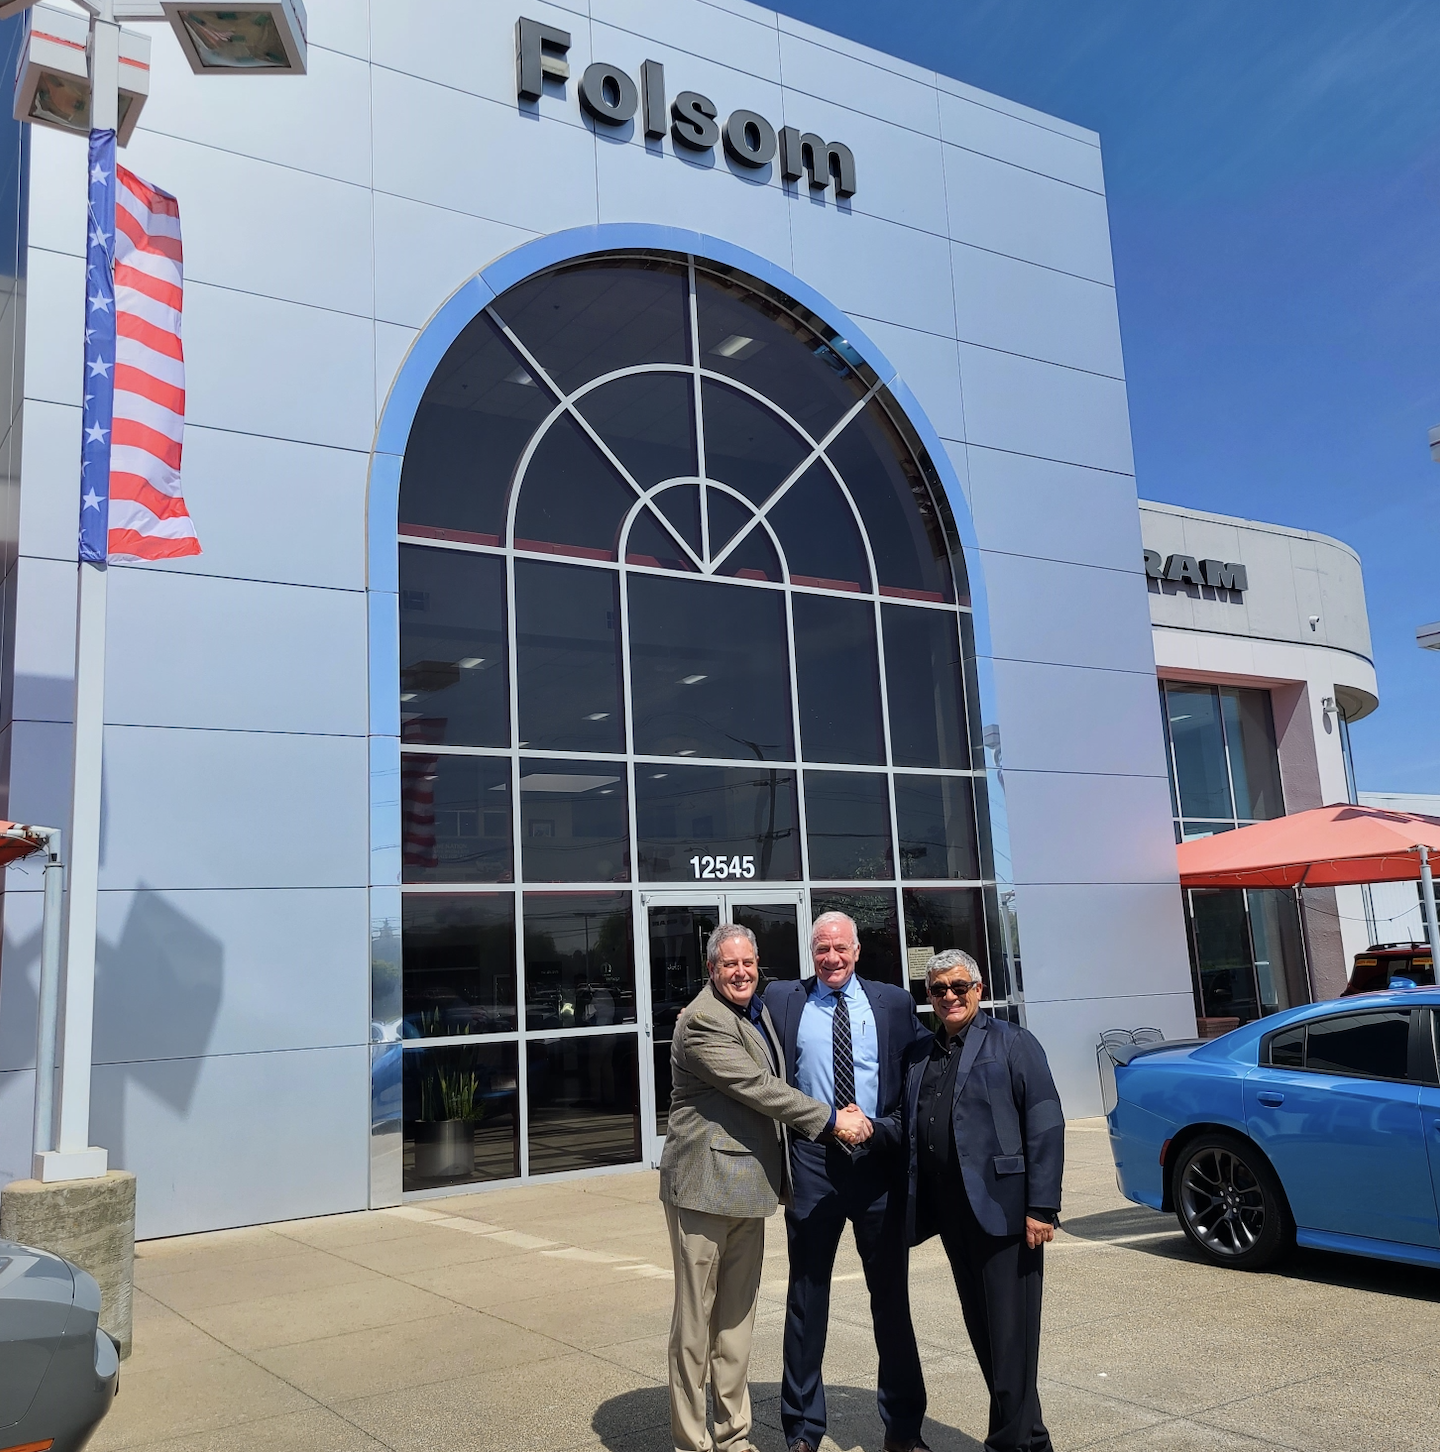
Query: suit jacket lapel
{"type": "Point", "coordinates": [974, 1040]}
{"type": "Point", "coordinates": [882, 1040]}
{"type": "Point", "coordinates": [768, 1027]}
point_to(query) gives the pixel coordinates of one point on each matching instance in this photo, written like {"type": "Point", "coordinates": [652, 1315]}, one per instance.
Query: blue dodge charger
{"type": "Point", "coordinates": [1318, 1126]}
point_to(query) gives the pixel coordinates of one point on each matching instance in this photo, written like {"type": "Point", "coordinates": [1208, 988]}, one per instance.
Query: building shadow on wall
{"type": "Point", "coordinates": [157, 999]}
{"type": "Point", "coordinates": [639, 1421]}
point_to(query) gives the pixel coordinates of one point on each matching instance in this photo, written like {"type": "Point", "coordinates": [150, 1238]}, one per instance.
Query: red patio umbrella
{"type": "Point", "coordinates": [1337, 846]}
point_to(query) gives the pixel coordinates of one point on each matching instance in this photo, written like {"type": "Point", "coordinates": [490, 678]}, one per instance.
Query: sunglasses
{"type": "Point", "coordinates": [957, 990]}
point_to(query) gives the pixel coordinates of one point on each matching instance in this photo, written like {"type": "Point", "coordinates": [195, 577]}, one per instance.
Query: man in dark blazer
{"type": "Point", "coordinates": [846, 1039]}
{"type": "Point", "coordinates": [985, 1142]}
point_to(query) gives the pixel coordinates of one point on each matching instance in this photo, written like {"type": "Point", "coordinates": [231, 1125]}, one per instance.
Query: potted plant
{"type": "Point", "coordinates": [450, 1107]}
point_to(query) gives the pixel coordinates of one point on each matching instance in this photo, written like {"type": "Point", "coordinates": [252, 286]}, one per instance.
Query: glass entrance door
{"type": "Point", "coordinates": [676, 929]}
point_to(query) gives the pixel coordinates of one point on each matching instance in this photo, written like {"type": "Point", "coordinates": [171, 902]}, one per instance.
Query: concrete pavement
{"type": "Point", "coordinates": [537, 1318]}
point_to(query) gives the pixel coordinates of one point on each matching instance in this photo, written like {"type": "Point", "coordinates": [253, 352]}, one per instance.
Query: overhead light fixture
{"type": "Point", "coordinates": [520, 376]}
{"type": "Point", "coordinates": [692, 680]}
{"type": "Point", "coordinates": [470, 662]}
{"type": "Point", "coordinates": [598, 716]}
{"type": "Point", "coordinates": [738, 346]}
{"type": "Point", "coordinates": [689, 751]}
{"type": "Point", "coordinates": [264, 35]}
{"type": "Point", "coordinates": [52, 80]}
{"type": "Point", "coordinates": [564, 781]}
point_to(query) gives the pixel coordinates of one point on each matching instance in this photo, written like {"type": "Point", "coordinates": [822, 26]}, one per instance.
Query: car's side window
{"type": "Point", "coordinates": [1287, 1049]}
{"type": "Point", "coordinates": [1366, 1045]}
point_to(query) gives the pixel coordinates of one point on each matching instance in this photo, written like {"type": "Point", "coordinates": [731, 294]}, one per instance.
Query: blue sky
{"type": "Point", "coordinates": [1273, 173]}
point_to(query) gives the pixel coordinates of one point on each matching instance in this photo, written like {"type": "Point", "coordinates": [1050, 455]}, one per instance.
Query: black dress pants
{"type": "Point", "coordinates": [999, 1279]}
{"type": "Point", "coordinates": [830, 1190]}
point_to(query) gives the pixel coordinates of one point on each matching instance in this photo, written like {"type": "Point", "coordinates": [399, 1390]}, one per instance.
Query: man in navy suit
{"type": "Point", "coordinates": [847, 1040]}
{"type": "Point", "coordinates": [985, 1144]}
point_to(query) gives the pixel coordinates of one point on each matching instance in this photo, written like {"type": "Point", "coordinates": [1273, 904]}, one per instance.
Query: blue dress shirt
{"type": "Point", "coordinates": [815, 1041]}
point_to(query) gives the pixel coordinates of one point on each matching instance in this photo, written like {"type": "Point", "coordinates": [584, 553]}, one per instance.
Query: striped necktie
{"type": "Point", "coordinates": [844, 1054]}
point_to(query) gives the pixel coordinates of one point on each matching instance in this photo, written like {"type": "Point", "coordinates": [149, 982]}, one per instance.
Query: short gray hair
{"type": "Point", "coordinates": [951, 958]}
{"type": "Point", "coordinates": [832, 920]}
{"type": "Point", "coordinates": [722, 935]}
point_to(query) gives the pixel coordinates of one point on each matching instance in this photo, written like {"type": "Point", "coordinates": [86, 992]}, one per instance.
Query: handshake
{"type": "Point", "coordinates": [852, 1127]}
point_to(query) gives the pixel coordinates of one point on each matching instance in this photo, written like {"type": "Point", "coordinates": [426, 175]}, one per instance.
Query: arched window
{"type": "Point", "coordinates": [681, 603]}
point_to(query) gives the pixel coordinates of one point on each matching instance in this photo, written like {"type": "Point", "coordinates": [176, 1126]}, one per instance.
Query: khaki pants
{"type": "Point", "coordinates": [717, 1286]}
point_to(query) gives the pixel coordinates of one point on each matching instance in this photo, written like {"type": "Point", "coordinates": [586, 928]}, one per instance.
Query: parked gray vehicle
{"type": "Point", "coordinates": [59, 1371]}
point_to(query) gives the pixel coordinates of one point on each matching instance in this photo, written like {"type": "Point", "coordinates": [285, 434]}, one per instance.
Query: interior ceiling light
{"type": "Point", "coordinates": [558, 781]}
{"type": "Point", "coordinates": [598, 716]}
{"type": "Point", "coordinates": [692, 680]}
{"type": "Point", "coordinates": [520, 376]}
{"type": "Point", "coordinates": [265, 35]}
{"type": "Point", "coordinates": [470, 662]}
{"type": "Point", "coordinates": [737, 345]}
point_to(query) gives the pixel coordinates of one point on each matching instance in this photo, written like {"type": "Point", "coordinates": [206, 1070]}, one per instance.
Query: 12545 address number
{"type": "Point", "coordinates": [711, 868]}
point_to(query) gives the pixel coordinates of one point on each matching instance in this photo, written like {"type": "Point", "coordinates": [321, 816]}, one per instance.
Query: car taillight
{"type": "Point", "coordinates": [44, 1446]}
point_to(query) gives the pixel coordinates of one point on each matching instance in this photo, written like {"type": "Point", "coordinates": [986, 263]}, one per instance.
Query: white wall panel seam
{"type": "Point", "coordinates": [241, 1053]}
{"type": "Point", "coordinates": [677, 49]}
{"type": "Point", "coordinates": [1043, 458]}
{"type": "Point", "coordinates": [1031, 262]}
{"type": "Point", "coordinates": [1061, 771]}
{"type": "Point", "coordinates": [343, 181]}
{"type": "Point", "coordinates": [239, 731]}
{"type": "Point", "coordinates": [1008, 161]}
{"type": "Point", "coordinates": [1033, 357]}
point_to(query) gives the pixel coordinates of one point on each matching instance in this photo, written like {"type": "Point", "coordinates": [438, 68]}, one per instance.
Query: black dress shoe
{"type": "Point", "coordinates": [918, 1445]}
{"type": "Point", "coordinates": [801, 1446]}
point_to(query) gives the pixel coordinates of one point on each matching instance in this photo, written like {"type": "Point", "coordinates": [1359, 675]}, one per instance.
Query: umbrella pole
{"type": "Point", "coordinates": [1427, 892]}
{"type": "Point", "coordinates": [1304, 939]}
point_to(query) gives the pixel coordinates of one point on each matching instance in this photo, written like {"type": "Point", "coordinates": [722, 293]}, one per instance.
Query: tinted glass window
{"type": "Point", "coordinates": [590, 319]}
{"type": "Point", "coordinates": [819, 535]}
{"type": "Point", "coordinates": [895, 503]}
{"type": "Point", "coordinates": [473, 423]}
{"type": "Point", "coordinates": [1287, 1050]}
{"type": "Point", "coordinates": [754, 558]}
{"type": "Point", "coordinates": [924, 681]}
{"type": "Point", "coordinates": [777, 931]}
{"type": "Point", "coordinates": [1193, 713]}
{"type": "Point", "coordinates": [716, 823]}
{"type": "Point", "coordinates": [936, 816]}
{"type": "Point", "coordinates": [839, 675]}
{"type": "Point", "coordinates": [573, 501]}
{"type": "Point", "coordinates": [454, 662]}
{"type": "Point", "coordinates": [747, 445]}
{"type": "Point", "coordinates": [461, 1114]}
{"type": "Point", "coordinates": [710, 668]}
{"type": "Point", "coordinates": [455, 818]}
{"type": "Point", "coordinates": [459, 964]}
{"type": "Point", "coordinates": [873, 909]}
{"type": "Point", "coordinates": [755, 341]}
{"type": "Point", "coordinates": [584, 1095]}
{"type": "Point", "coordinates": [847, 825]}
{"type": "Point", "coordinates": [568, 651]}
{"type": "Point", "coordinates": [574, 821]}
{"type": "Point", "coordinates": [941, 918]}
{"type": "Point", "coordinates": [1373, 1045]}
{"type": "Point", "coordinates": [728, 516]}
{"type": "Point", "coordinates": [681, 506]}
{"type": "Point", "coordinates": [650, 543]}
{"type": "Point", "coordinates": [1254, 760]}
{"type": "Point", "coordinates": [648, 421]}
{"type": "Point", "coordinates": [579, 961]}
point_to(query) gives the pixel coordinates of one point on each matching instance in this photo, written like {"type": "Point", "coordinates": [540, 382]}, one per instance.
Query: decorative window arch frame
{"type": "Point", "coordinates": [392, 434]}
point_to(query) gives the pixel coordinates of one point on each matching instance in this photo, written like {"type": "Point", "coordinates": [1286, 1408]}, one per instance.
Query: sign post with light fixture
{"type": "Point", "coordinates": [82, 75]}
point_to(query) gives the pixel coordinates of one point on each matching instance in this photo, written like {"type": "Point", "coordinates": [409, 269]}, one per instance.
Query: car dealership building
{"type": "Point", "coordinates": [656, 462]}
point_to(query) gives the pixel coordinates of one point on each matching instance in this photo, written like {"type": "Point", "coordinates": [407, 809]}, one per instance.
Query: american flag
{"type": "Point", "coordinates": [131, 507]}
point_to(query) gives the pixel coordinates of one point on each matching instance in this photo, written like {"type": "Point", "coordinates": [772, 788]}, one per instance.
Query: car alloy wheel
{"type": "Point", "coordinates": [1230, 1204]}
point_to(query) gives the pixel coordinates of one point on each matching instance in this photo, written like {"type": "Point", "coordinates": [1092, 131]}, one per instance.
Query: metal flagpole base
{"type": "Point", "coordinates": [53, 1166]}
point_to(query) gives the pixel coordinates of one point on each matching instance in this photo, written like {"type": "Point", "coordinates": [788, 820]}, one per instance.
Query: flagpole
{"type": "Point", "coordinates": [74, 1157]}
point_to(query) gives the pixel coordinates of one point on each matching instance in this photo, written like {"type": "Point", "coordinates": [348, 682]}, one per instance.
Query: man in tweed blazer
{"type": "Point", "coordinates": [725, 1168]}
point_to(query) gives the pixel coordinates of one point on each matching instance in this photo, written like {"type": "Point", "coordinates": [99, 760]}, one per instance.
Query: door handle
{"type": "Point", "coordinates": [1270, 1097]}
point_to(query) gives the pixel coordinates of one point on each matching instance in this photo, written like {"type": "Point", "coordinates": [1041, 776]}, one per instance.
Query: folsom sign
{"type": "Point", "coordinates": [611, 97]}
{"type": "Point", "coordinates": [1187, 570]}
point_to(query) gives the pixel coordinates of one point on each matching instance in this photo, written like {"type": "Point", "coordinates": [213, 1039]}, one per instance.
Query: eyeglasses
{"type": "Point", "coordinates": [957, 990]}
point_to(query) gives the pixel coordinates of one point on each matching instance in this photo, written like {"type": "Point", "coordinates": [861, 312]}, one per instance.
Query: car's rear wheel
{"type": "Point", "coordinates": [1230, 1203]}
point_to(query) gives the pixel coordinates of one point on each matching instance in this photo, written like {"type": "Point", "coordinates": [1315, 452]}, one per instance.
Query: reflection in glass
{"type": "Point", "coordinates": [584, 1101]}
{"type": "Point", "coordinates": [1254, 760]}
{"type": "Point", "coordinates": [923, 681]}
{"type": "Point", "coordinates": [567, 624]}
{"type": "Point", "coordinates": [728, 516]}
{"type": "Point", "coordinates": [677, 974]}
{"type": "Point", "coordinates": [716, 823]}
{"type": "Point", "coordinates": [777, 931]}
{"type": "Point", "coordinates": [1222, 955]}
{"type": "Point", "coordinates": [747, 445]}
{"type": "Point", "coordinates": [681, 506]}
{"type": "Point", "coordinates": [847, 825]}
{"type": "Point", "coordinates": [1193, 715]}
{"type": "Point", "coordinates": [873, 909]}
{"type": "Point", "coordinates": [459, 973]}
{"type": "Point", "coordinates": [477, 414]}
{"type": "Point", "coordinates": [461, 1119]}
{"type": "Point", "coordinates": [579, 961]}
{"type": "Point", "coordinates": [572, 501]}
{"type": "Point", "coordinates": [819, 535]}
{"type": "Point", "coordinates": [897, 506]}
{"type": "Point", "coordinates": [709, 667]}
{"type": "Point", "coordinates": [936, 817]}
{"type": "Point", "coordinates": [590, 318]}
{"type": "Point", "coordinates": [937, 918]}
{"type": "Point", "coordinates": [454, 664]}
{"type": "Point", "coordinates": [650, 543]}
{"type": "Point", "coordinates": [455, 818]}
{"type": "Point", "coordinates": [647, 420]}
{"type": "Point", "coordinates": [839, 677]}
{"type": "Point", "coordinates": [755, 341]}
{"type": "Point", "coordinates": [754, 558]}
{"type": "Point", "coordinates": [1279, 949]}
{"type": "Point", "coordinates": [574, 822]}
